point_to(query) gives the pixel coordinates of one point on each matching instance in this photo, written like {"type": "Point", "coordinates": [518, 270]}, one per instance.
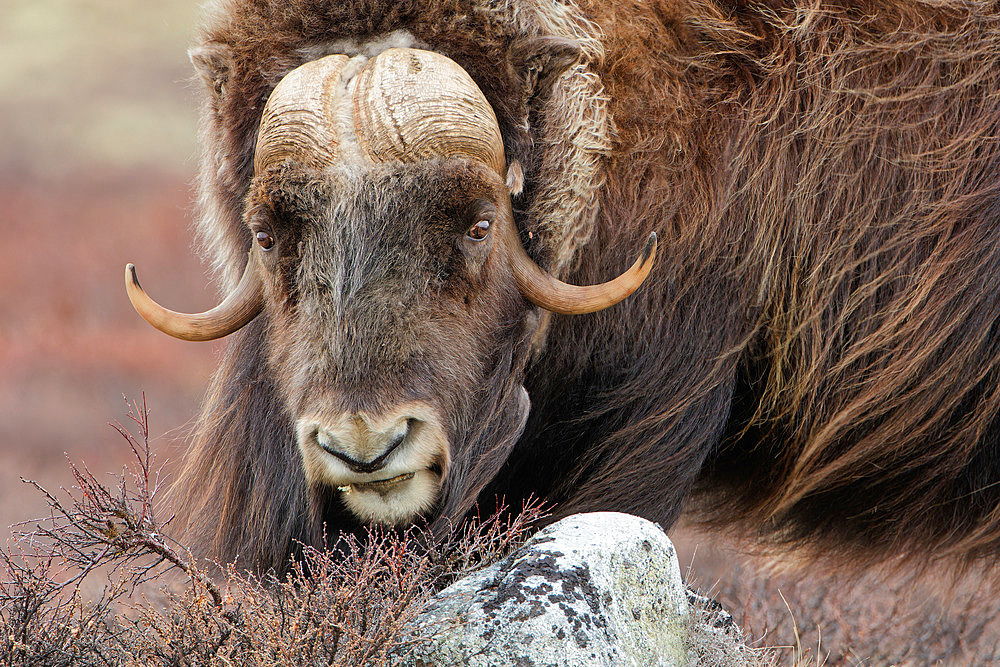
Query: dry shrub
{"type": "Point", "coordinates": [715, 640]}
{"type": "Point", "coordinates": [348, 604]}
{"type": "Point", "coordinates": [815, 614]}
{"type": "Point", "coordinates": [99, 582]}
{"type": "Point", "coordinates": [872, 619]}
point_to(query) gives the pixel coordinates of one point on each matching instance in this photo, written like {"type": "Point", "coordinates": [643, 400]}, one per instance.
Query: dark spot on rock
{"type": "Point", "coordinates": [567, 610]}
{"type": "Point", "coordinates": [512, 576]}
{"type": "Point", "coordinates": [561, 634]}
{"type": "Point", "coordinates": [578, 585]}
{"type": "Point", "coordinates": [569, 592]}
{"type": "Point", "coordinates": [647, 546]}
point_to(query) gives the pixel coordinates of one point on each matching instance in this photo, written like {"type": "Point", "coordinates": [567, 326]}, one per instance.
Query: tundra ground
{"type": "Point", "coordinates": [97, 156]}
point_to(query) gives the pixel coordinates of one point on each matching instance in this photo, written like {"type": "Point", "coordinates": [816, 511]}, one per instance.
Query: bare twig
{"type": "Point", "coordinates": [349, 604]}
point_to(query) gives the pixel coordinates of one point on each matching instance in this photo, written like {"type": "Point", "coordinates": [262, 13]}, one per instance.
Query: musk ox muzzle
{"type": "Point", "coordinates": [388, 466]}
{"type": "Point", "coordinates": [342, 117]}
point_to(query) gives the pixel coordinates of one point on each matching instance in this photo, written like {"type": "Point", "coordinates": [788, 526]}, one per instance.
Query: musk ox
{"type": "Point", "coordinates": [413, 192]}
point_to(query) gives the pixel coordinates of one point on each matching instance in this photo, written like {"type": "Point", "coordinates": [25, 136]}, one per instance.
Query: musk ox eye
{"type": "Point", "coordinates": [265, 240]}
{"type": "Point", "coordinates": [479, 231]}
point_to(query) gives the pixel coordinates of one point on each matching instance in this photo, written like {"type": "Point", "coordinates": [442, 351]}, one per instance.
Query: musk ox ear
{"type": "Point", "coordinates": [543, 59]}
{"type": "Point", "coordinates": [213, 62]}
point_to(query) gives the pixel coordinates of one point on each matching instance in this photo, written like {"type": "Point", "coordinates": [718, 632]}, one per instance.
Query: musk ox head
{"type": "Point", "coordinates": [397, 292]}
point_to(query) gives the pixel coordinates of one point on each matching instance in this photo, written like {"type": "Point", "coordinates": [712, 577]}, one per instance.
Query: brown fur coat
{"type": "Point", "coordinates": [817, 351]}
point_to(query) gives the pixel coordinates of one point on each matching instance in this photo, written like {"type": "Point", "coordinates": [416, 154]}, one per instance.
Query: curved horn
{"type": "Point", "coordinates": [236, 310]}
{"type": "Point", "coordinates": [545, 291]}
{"type": "Point", "coordinates": [298, 118]}
{"type": "Point", "coordinates": [296, 123]}
{"type": "Point", "coordinates": [411, 105]}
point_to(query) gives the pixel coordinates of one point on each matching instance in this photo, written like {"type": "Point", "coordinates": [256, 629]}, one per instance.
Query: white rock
{"type": "Point", "coordinates": [592, 589]}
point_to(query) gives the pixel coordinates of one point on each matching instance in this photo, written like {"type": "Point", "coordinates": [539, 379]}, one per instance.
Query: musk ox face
{"type": "Point", "coordinates": [394, 313]}
{"type": "Point", "coordinates": [386, 256]}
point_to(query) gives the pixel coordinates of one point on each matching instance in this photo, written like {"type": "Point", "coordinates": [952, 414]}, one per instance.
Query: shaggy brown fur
{"type": "Point", "coordinates": [816, 352]}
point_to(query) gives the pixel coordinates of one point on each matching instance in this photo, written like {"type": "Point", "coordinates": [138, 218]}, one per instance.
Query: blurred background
{"type": "Point", "coordinates": [98, 155]}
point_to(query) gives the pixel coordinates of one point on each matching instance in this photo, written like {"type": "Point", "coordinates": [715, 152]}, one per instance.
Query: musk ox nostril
{"type": "Point", "coordinates": [348, 449]}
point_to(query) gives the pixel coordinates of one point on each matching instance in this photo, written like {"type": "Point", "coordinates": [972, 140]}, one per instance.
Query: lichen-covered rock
{"type": "Point", "coordinates": [593, 589]}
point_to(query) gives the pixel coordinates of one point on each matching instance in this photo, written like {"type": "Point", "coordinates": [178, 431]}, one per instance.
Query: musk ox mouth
{"type": "Point", "coordinates": [387, 467]}
{"type": "Point", "coordinates": [379, 485]}
{"type": "Point", "coordinates": [396, 500]}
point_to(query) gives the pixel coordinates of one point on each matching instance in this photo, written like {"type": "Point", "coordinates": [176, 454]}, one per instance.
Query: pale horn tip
{"type": "Point", "coordinates": [134, 290]}
{"type": "Point", "coordinates": [236, 310]}
{"type": "Point", "coordinates": [131, 282]}
{"type": "Point", "coordinates": [649, 252]}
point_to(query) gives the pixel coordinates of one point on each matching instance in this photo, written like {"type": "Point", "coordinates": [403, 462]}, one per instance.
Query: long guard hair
{"type": "Point", "coordinates": [816, 355]}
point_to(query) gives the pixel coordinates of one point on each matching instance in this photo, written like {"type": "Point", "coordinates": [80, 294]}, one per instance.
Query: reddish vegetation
{"type": "Point", "coordinates": [345, 605]}
{"type": "Point", "coordinates": [70, 343]}
{"type": "Point", "coordinates": [820, 617]}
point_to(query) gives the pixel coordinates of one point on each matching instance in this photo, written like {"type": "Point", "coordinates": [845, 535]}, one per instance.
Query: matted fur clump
{"type": "Point", "coordinates": [816, 354]}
